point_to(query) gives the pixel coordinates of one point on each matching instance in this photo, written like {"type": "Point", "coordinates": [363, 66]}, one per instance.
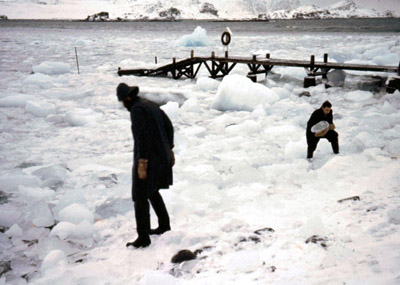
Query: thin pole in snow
{"type": "Point", "coordinates": [77, 62]}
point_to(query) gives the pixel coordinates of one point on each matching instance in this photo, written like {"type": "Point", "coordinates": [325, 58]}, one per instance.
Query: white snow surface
{"type": "Point", "coordinates": [199, 9]}
{"type": "Point", "coordinates": [66, 159]}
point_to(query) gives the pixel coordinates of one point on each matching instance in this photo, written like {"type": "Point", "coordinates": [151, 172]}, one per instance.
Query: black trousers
{"type": "Point", "coordinates": [142, 210]}
{"type": "Point", "coordinates": [312, 142]}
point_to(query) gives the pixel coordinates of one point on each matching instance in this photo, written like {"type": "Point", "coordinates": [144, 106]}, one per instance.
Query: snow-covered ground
{"type": "Point", "coordinates": [66, 156]}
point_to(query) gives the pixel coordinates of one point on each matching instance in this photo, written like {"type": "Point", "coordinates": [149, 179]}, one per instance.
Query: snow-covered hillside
{"type": "Point", "coordinates": [199, 9]}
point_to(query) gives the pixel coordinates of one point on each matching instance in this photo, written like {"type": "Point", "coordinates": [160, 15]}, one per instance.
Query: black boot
{"type": "Point", "coordinates": [162, 214]}
{"type": "Point", "coordinates": [141, 241]}
{"type": "Point", "coordinates": [335, 147]}
{"type": "Point", "coordinates": [142, 216]}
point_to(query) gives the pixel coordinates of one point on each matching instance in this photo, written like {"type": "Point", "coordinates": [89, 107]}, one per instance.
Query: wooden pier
{"type": "Point", "coordinates": [221, 66]}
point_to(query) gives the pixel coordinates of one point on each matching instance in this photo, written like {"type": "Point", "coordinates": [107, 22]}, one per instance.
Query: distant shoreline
{"type": "Point", "coordinates": [199, 20]}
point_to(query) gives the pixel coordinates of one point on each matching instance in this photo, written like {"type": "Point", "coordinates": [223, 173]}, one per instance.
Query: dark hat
{"type": "Point", "coordinates": [124, 90]}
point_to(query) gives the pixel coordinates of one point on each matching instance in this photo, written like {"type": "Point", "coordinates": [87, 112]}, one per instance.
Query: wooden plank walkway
{"type": "Point", "coordinates": [221, 66]}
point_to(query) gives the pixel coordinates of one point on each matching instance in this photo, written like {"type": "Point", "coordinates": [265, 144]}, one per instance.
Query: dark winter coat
{"type": "Point", "coordinates": [316, 117]}
{"type": "Point", "coordinates": [153, 136]}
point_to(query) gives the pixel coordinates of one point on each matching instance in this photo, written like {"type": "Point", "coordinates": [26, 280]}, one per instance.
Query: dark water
{"type": "Point", "coordinates": [384, 25]}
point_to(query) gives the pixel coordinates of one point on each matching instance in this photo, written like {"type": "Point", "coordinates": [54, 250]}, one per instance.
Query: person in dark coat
{"type": "Point", "coordinates": [322, 114]}
{"type": "Point", "coordinates": [153, 136]}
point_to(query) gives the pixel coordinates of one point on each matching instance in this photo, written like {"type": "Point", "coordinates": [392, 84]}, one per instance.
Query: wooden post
{"type": "Point", "coordinates": [312, 61]}
{"type": "Point", "coordinates": [325, 71]}
{"type": "Point", "coordinates": [325, 58]}
{"type": "Point", "coordinates": [212, 54]}
{"type": "Point", "coordinates": [226, 53]}
{"type": "Point", "coordinates": [254, 57]}
{"type": "Point", "coordinates": [77, 62]}
{"type": "Point", "coordinates": [398, 69]}
{"type": "Point", "coordinates": [268, 56]}
{"type": "Point", "coordinates": [192, 54]}
{"type": "Point", "coordinates": [155, 59]}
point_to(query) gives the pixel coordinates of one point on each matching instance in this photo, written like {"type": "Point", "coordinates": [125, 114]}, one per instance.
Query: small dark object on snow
{"type": "Point", "coordinates": [251, 238]}
{"type": "Point", "coordinates": [260, 231]}
{"type": "Point", "coordinates": [200, 251]}
{"type": "Point", "coordinates": [272, 268]}
{"type": "Point", "coordinates": [183, 255]}
{"type": "Point", "coordinates": [354, 198]}
{"type": "Point", "coordinates": [5, 266]}
{"type": "Point", "coordinates": [318, 240]}
{"type": "Point", "coordinates": [305, 93]}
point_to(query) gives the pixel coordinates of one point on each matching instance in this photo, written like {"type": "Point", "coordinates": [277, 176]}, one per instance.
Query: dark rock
{"type": "Point", "coordinates": [254, 239]}
{"type": "Point", "coordinates": [5, 266]}
{"type": "Point", "coordinates": [318, 240]}
{"type": "Point", "coordinates": [27, 165]}
{"type": "Point", "coordinates": [4, 197]}
{"type": "Point", "coordinates": [200, 251]}
{"type": "Point", "coordinates": [170, 14]}
{"type": "Point", "coordinates": [305, 93]}
{"type": "Point", "coordinates": [209, 8]}
{"type": "Point", "coordinates": [99, 17]}
{"type": "Point", "coordinates": [263, 230]}
{"type": "Point", "coordinates": [354, 198]}
{"type": "Point", "coordinates": [183, 255]}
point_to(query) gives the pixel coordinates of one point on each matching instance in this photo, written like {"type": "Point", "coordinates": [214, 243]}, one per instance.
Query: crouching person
{"type": "Point", "coordinates": [153, 136]}
{"type": "Point", "coordinates": [322, 114]}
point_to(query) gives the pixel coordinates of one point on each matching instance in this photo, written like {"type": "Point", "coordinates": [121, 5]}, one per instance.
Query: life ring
{"type": "Point", "coordinates": [226, 38]}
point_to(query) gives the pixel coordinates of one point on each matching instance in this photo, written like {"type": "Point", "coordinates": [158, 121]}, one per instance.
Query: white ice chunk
{"type": "Point", "coordinates": [41, 80]}
{"type": "Point", "coordinates": [40, 109]}
{"type": "Point", "coordinates": [207, 84]}
{"type": "Point", "coordinates": [156, 278]}
{"type": "Point", "coordinates": [394, 216]}
{"type": "Point", "coordinates": [81, 117]}
{"type": "Point", "coordinates": [10, 182]}
{"type": "Point", "coordinates": [29, 194]}
{"type": "Point", "coordinates": [293, 72]}
{"type": "Point", "coordinates": [75, 213]}
{"type": "Point", "coordinates": [53, 259]}
{"type": "Point", "coordinates": [14, 231]}
{"type": "Point", "coordinates": [15, 101]}
{"type": "Point", "coordinates": [197, 38]}
{"type": "Point", "coordinates": [336, 77]}
{"type": "Point", "coordinates": [393, 147]}
{"type": "Point", "coordinates": [320, 126]}
{"type": "Point", "coordinates": [359, 96]}
{"type": "Point", "coordinates": [387, 59]}
{"type": "Point", "coordinates": [52, 68]}
{"type": "Point", "coordinates": [191, 105]}
{"type": "Point", "coordinates": [240, 93]}
{"type": "Point", "coordinates": [66, 230]}
{"type": "Point", "coordinates": [9, 215]}
{"type": "Point", "coordinates": [245, 261]}
{"type": "Point", "coordinates": [295, 149]}
{"type": "Point", "coordinates": [171, 109]}
{"type": "Point", "coordinates": [40, 214]}
{"type": "Point", "coordinates": [314, 226]}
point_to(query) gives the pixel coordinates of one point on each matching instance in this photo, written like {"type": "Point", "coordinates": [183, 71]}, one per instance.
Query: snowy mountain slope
{"type": "Point", "coordinates": [198, 9]}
